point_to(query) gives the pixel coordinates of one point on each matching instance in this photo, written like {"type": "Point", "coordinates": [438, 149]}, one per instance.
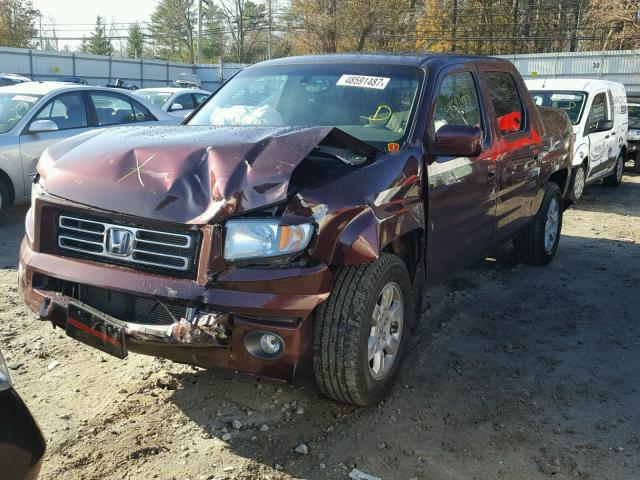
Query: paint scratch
{"type": "Point", "coordinates": [138, 167]}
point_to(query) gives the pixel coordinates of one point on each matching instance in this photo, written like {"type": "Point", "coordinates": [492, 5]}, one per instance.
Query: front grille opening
{"type": "Point", "coordinates": [169, 252]}
{"type": "Point", "coordinates": [162, 239]}
{"type": "Point", "coordinates": [131, 308]}
{"type": "Point", "coordinates": [81, 224]}
{"type": "Point", "coordinates": [77, 244]}
{"type": "Point", "coordinates": [123, 306]}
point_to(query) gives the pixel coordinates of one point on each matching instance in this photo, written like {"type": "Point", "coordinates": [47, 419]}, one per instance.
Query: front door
{"type": "Point", "coordinates": [600, 143]}
{"type": "Point", "coordinates": [460, 202]}
{"type": "Point", "coordinates": [69, 114]}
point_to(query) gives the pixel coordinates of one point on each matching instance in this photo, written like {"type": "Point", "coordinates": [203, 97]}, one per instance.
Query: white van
{"type": "Point", "coordinates": [598, 111]}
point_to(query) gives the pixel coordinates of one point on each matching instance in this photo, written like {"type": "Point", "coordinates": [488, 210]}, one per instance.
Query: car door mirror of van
{"type": "Point", "coordinates": [603, 125]}
{"type": "Point", "coordinates": [41, 126]}
{"type": "Point", "coordinates": [459, 140]}
{"type": "Point", "coordinates": [176, 106]}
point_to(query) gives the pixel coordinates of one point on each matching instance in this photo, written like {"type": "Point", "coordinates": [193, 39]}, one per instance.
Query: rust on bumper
{"type": "Point", "coordinates": [253, 299]}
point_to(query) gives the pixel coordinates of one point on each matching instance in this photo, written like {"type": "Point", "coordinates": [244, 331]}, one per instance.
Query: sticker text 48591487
{"type": "Point", "coordinates": [363, 81]}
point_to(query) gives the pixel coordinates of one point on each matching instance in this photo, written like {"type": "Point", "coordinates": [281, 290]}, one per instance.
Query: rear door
{"type": "Point", "coordinates": [461, 190]}
{"type": "Point", "coordinates": [600, 143]}
{"type": "Point", "coordinates": [68, 111]}
{"type": "Point", "coordinates": [518, 146]}
{"type": "Point", "coordinates": [112, 108]}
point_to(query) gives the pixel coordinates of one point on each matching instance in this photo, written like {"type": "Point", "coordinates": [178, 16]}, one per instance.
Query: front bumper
{"type": "Point", "coordinates": [273, 300]}
{"type": "Point", "coordinates": [22, 445]}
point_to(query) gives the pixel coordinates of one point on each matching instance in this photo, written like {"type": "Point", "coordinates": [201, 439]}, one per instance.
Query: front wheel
{"type": "Point", "coordinates": [360, 333]}
{"type": "Point", "coordinates": [538, 243]}
{"type": "Point", "coordinates": [615, 178]}
{"type": "Point", "coordinates": [636, 163]}
{"type": "Point", "coordinates": [577, 185]}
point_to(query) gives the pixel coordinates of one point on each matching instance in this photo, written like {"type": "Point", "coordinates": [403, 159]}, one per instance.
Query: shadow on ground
{"type": "Point", "coordinates": [520, 369]}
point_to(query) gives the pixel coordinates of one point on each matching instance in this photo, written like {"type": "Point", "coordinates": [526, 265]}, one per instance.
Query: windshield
{"type": "Point", "coordinates": [373, 103]}
{"type": "Point", "coordinates": [156, 98]}
{"type": "Point", "coordinates": [634, 112]}
{"type": "Point", "coordinates": [570, 102]}
{"type": "Point", "coordinates": [13, 107]}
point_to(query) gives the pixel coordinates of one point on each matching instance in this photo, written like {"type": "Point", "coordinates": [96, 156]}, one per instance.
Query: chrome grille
{"type": "Point", "coordinates": [126, 244]}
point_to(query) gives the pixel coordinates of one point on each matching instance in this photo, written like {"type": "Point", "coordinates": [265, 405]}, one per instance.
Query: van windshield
{"type": "Point", "coordinates": [373, 103]}
{"type": "Point", "coordinates": [571, 102]}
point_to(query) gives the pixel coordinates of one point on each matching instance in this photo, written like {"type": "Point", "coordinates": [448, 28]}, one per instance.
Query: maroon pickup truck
{"type": "Point", "coordinates": [291, 223]}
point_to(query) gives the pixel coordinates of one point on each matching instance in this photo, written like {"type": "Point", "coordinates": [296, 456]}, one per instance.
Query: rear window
{"type": "Point", "coordinates": [506, 102]}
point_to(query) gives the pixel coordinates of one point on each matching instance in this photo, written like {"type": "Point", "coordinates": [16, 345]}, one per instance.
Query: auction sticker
{"type": "Point", "coordinates": [363, 81]}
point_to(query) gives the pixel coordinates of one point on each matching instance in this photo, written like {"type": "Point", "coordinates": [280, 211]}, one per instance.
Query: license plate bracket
{"type": "Point", "coordinates": [96, 329]}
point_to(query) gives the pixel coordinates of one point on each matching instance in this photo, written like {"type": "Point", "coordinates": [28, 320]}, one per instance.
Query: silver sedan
{"type": "Point", "coordinates": [175, 101]}
{"type": "Point", "coordinates": [34, 115]}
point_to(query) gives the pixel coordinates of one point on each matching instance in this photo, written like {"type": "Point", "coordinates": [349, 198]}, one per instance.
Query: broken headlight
{"type": "Point", "coordinates": [260, 238]}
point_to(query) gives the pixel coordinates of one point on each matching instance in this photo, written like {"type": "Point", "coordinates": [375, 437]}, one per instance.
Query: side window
{"type": "Point", "coordinates": [66, 110]}
{"type": "Point", "coordinates": [186, 101]}
{"type": "Point", "coordinates": [506, 102]}
{"type": "Point", "coordinates": [457, 102]}
{"type": "Point", "coordinates": [112, 109]}
{"type": "Point", "coordinates": [142, 114]}
{"type": "Point", "coordinates": [200, 98]}
{"type": "Point", "coordinates": [598, 111]}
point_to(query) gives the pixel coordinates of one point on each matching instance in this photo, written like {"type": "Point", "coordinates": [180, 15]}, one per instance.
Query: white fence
{"type": "Point", "coordinates": [617, 65]}
{"type": "Point", "coordinates": [98, 70]}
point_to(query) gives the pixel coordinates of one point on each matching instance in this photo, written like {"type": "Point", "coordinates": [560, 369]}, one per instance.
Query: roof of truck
{"type": "Point", "coordinates": [570, 84]}
{"type": "Point", "coordinates": [408, 58]}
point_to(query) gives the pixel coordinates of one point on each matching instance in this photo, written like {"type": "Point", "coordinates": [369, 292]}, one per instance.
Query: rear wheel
{"type": "Point", "coordinates": [615, 178]}
{"type": "Point", "coordinates": [538, 243]}
{"type": "Point", "coordinates": [361, 332]}
{"type": "Point", "coordinates": [577, 185]}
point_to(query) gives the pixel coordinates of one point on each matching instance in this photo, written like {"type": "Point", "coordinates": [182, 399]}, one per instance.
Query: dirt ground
{"type": "Point", "coordinates": [517, 373]}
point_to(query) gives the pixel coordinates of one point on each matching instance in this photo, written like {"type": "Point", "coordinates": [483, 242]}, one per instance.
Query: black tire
{"type": "Point", "coordinates": [5, 198]}
{"type": "Point", "coordinates": [573, 195]}
{"type": "Point", "coordinates": [529, 246]}
{"type": "Point", "coordinates": [342, 326]}
{"type": "Point", "coordinates": [636, 163]}
{"type": "Point", "coordinates": [615, 179]}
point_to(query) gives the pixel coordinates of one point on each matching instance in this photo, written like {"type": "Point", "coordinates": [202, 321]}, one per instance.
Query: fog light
{"type": "Point", "coordinates": [264, 345]}
{"type": "Point", "coordinates": [270, 344]}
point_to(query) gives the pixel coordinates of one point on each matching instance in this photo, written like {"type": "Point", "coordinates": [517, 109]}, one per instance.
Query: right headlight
{"type": "Point", "coordinates": [250, 239]}
{"type": "Point", "coordinates": [5, 379]}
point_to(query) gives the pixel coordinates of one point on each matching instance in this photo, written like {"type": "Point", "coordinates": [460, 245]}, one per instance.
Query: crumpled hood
{"type": "Point", "coordinates": [178, 174]}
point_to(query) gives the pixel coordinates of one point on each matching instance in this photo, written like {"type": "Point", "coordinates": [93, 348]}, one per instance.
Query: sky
{"type": "Point", "coordinates": [75, 18]}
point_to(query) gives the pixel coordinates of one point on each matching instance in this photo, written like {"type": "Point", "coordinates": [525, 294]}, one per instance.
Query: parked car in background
{"type": "Point", "coordinates": [175, 101]}
{"type": "Point", "coordinates": [598, 111]}
{"type": "Point", "coordinates": [187, 80]}
{"type": "Point", "coordinates": [78, 80]}
{"type": "Point", "coordinates": [12, 79]}
{"type": "Point", "coordinates": [22, 445]}
{"type": "Point", "coordinates": [35, 115]}
{"type": "Point", "coordinates": [118, 83]}
{"type": "Point", "coordinates": [296, 217]}
{"type": "Point", "coordinates": [633, 135]}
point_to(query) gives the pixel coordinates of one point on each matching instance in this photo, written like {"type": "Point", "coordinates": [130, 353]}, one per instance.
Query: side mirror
{"type": "Point", "coordinates": [176, 106]}
{"type": "Point", "coordinates": [603, 125]}
{"type": "Point", "coordinates": [41, 126]}
{"type": "Point", "coordinates": [459, 140]}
